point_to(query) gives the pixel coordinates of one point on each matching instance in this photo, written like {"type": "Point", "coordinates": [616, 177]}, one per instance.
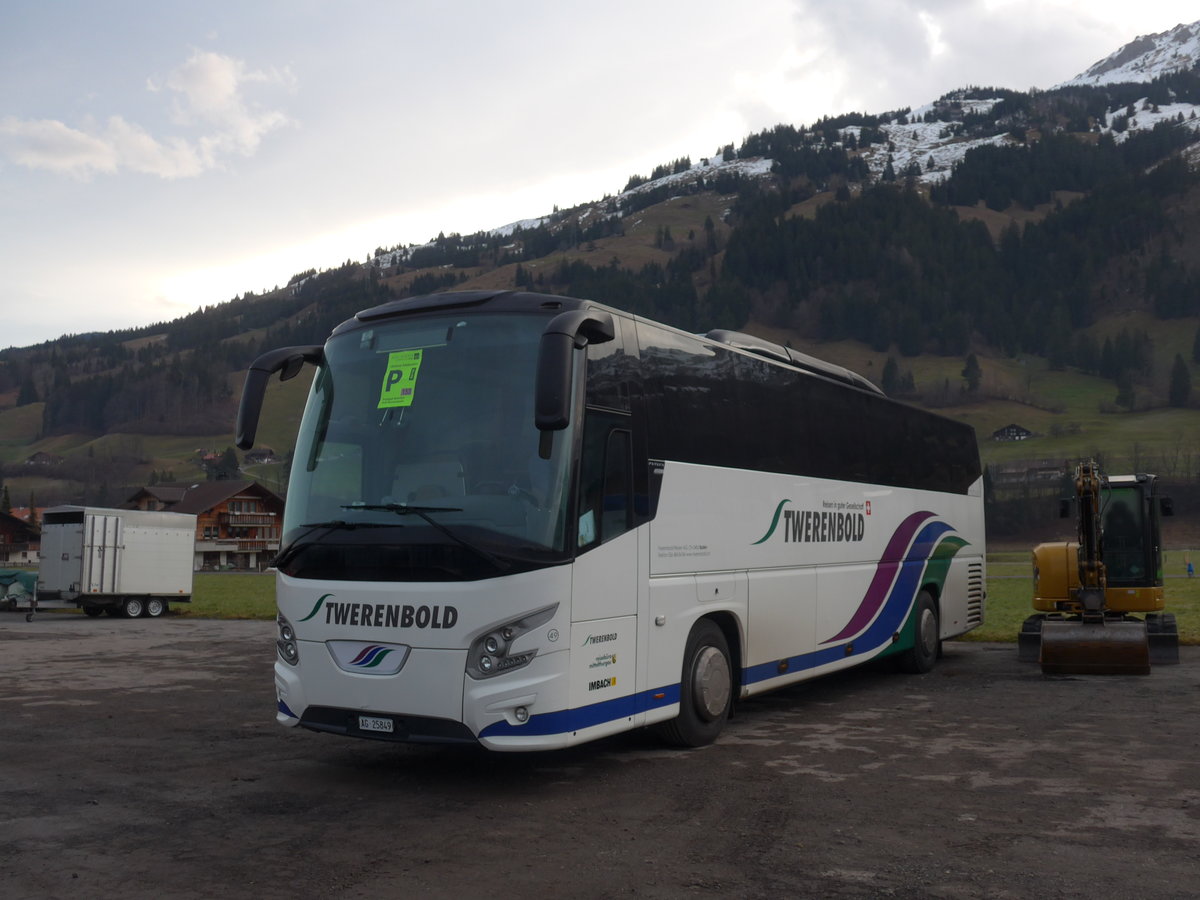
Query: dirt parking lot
{"type": "Point", "coordinates": [140, 758]}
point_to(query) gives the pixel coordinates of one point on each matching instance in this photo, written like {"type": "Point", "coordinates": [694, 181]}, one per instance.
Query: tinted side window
{"type": "Point", "coordinates": [605, 483]}
{"type": "Point", "coordinates": [608, 370]}
{"type": "Point", "coordinates": [711, 405]}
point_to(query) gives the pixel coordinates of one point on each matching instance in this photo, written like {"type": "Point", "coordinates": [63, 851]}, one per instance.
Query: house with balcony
{"type": "Point", "coordinates": [237, 522]}
{"type": "Point", "coordinates": [19, 541]}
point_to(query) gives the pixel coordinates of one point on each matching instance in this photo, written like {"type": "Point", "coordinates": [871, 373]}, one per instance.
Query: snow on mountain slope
{"type": "Point", "coordinates": [927, 151]}
{"type": "Point", "coordinates": [1145, 58]}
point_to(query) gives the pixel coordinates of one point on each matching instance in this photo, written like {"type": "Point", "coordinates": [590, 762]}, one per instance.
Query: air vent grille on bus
{"type": "Point", "coordinates": [975, 594]}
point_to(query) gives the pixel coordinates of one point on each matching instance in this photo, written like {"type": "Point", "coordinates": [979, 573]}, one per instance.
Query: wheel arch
{"type": "Point", "coordinates": [933, 589]}
{"type": "Point", "coordinates": [732, 629]}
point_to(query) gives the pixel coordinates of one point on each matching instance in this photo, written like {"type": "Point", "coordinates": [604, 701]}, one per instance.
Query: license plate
{"type": "Point", "coordinates": [375, 723]}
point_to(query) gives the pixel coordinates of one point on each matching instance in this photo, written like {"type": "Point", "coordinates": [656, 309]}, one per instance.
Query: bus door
{"type": "Point", "coordinates": [607, 570]}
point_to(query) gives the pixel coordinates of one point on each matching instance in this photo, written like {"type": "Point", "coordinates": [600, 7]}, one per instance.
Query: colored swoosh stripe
{"type": "Point", "coordinates": [885, 575]}
{"type": "Point", "coordinates": [912, 573]}
{"type": "Point", "coordinates": [774, 523]}
{"type": "Point", "coordinates": [370, 657]}
{"type": "Point", "coordinates": [939, 563]}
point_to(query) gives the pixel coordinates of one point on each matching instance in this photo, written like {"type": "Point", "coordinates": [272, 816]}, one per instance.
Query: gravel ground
{"type": "Point", "coordinates": [141, 759]}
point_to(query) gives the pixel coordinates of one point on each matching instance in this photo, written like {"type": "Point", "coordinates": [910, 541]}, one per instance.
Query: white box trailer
{"type": "Point", "coordinates": [125, 561]}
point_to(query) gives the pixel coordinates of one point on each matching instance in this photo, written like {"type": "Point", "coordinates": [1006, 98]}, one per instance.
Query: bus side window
{"type": "Point", "coordinates": [616, 504]}
{"type": "Point", "coordinates": [605, 482]}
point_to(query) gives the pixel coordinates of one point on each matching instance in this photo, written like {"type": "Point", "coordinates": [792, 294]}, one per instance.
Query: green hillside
{"type": "Point", "coordinates": [1062, 262]}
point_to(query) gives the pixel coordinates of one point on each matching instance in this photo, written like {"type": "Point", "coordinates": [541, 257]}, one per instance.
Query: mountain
{"type": "Point", "coordinates": [1053, 236]}
{"type": "Point", "coordinates": [1145, 58]}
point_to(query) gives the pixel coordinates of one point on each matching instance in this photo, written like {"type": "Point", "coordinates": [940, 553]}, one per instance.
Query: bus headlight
{"type": "Point", "coordinates": [491, 654]}
{"type": "Point", "coordinates": [289, 650]}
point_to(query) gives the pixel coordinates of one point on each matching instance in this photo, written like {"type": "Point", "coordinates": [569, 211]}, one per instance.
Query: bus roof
{"type": "Point", "coordinates": [504, 301]}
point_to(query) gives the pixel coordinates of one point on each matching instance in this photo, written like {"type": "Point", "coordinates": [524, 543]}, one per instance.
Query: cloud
{"type": "Point", "coordinates": [208, 99]}
{"type": "Point", "coordinates": [47, 144]}
{"type": "Point", "coordinates": [875, 55]}
{"type": "Point", "coordinates": [209, 86]}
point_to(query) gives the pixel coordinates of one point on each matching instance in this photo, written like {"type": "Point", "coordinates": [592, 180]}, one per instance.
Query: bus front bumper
{"type": "Point", "coordinates": [416, 704]}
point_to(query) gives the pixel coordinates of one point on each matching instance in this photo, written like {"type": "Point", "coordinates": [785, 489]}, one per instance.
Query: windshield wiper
{"type": "Point", "coordinates": [325, 527]}
{"type": "Point", "coordinates": [402, 508]}
{"type": "Point", "coordinates": [407, 509]}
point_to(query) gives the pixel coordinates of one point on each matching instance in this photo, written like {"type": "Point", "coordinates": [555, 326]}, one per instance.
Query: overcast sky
{"type": "Point", "coordinates": [156, 157]}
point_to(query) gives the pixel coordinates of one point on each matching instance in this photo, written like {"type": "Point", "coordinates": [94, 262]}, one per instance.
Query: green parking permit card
{"type": "Point", "coordinates": [400, 379]}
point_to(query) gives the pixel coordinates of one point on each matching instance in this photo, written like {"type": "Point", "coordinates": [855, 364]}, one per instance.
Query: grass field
{"type": "Point", "coordinates": [1010, 589]}
{"type": "Point", "coordinates": [230, 595]}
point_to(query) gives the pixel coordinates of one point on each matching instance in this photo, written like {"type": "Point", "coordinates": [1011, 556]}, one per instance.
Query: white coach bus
{"type": "Point", "coordinates": [530, 521]}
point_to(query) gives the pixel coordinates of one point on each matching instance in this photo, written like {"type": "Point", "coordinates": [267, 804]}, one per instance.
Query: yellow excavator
{"type": "Point", "coordinates": [1100, 598]}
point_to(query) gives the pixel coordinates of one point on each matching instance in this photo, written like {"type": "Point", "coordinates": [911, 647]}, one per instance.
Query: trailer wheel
{"type": "Point", "coordinates": [923, 654]}
{"type": "Point", "coordinates": [93, 611]}
{"type": "Point", "coordinates": [131, 607]}
{"type": "Point", "coordinates": [705, 689]}
{"type": "Point", "coordinates": [155, 607]}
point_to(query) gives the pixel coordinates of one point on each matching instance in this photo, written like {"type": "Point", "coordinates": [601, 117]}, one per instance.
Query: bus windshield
{"type": "Point", "coordinates": [417, 457]}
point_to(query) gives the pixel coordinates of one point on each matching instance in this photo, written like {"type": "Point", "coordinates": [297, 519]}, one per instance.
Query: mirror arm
{"type": "Point", "coordinates": [287, 361]}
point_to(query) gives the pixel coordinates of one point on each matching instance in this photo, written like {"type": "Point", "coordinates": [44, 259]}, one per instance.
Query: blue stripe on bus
{"type": "Point", "coordinates": [878, 634]}
{"type": "Point", "coordinates": [565, 720]}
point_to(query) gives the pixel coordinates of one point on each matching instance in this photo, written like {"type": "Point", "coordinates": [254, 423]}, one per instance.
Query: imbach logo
{"type": "Point", "coordinates": [816, 526]}
{"type": "Point", "coordinates": [383, 615]}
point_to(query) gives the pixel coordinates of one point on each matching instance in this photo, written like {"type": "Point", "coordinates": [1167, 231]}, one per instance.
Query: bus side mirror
{"type": "Point", "coordinates": [567, 332]}
{"type": "Point", "coordinates": [287, 361]}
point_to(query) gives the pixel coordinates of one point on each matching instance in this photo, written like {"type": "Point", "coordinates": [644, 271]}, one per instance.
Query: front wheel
{"type": "Point", "coordinates": [927, 646]}
{"type": "Point", "coordinates": [705, 689]}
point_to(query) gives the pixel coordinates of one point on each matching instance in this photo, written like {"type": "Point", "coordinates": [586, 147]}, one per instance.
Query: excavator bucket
{"type": "Point", "coordinates": [1078, 647]}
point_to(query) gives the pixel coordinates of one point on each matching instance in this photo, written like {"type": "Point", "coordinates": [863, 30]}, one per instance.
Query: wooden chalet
{"type": "Point", "coordinates": [237, 522]}
{"type": "Point", "coordinates": [19, 541]}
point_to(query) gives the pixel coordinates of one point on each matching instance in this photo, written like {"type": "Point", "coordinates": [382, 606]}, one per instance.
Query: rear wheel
{"type": "Point", "coordinates": [155, 607]}
{"type": "Point", "coordinates": [93, 611]}
{"type": "Point", "coordinates": [705, 689]}
{"type": "Point", "coordinates": [131, 607]}
{"type": "Point", "coordinates": [923, 654]}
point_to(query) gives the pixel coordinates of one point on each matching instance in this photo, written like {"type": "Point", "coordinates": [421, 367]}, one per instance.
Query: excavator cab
{"type": "Point", "coordinates": [1100, 598]}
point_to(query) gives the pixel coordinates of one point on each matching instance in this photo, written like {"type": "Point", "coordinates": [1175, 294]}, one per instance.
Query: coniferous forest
{"type": "Point", "coordinates": [824, 246]}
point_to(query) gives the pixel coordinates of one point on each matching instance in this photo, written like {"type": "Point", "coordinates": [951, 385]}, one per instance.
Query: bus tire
{"type": "Point", "coordinates": [93, 611]}
{"type": "Point", "coordinates": [155, 607]}
{"type": "Point", "coordinates": [922, 656]}
{"type": "Point", "coordinates": [705, 689]}
{"type": "Point", "coordinates": [132, 607]}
